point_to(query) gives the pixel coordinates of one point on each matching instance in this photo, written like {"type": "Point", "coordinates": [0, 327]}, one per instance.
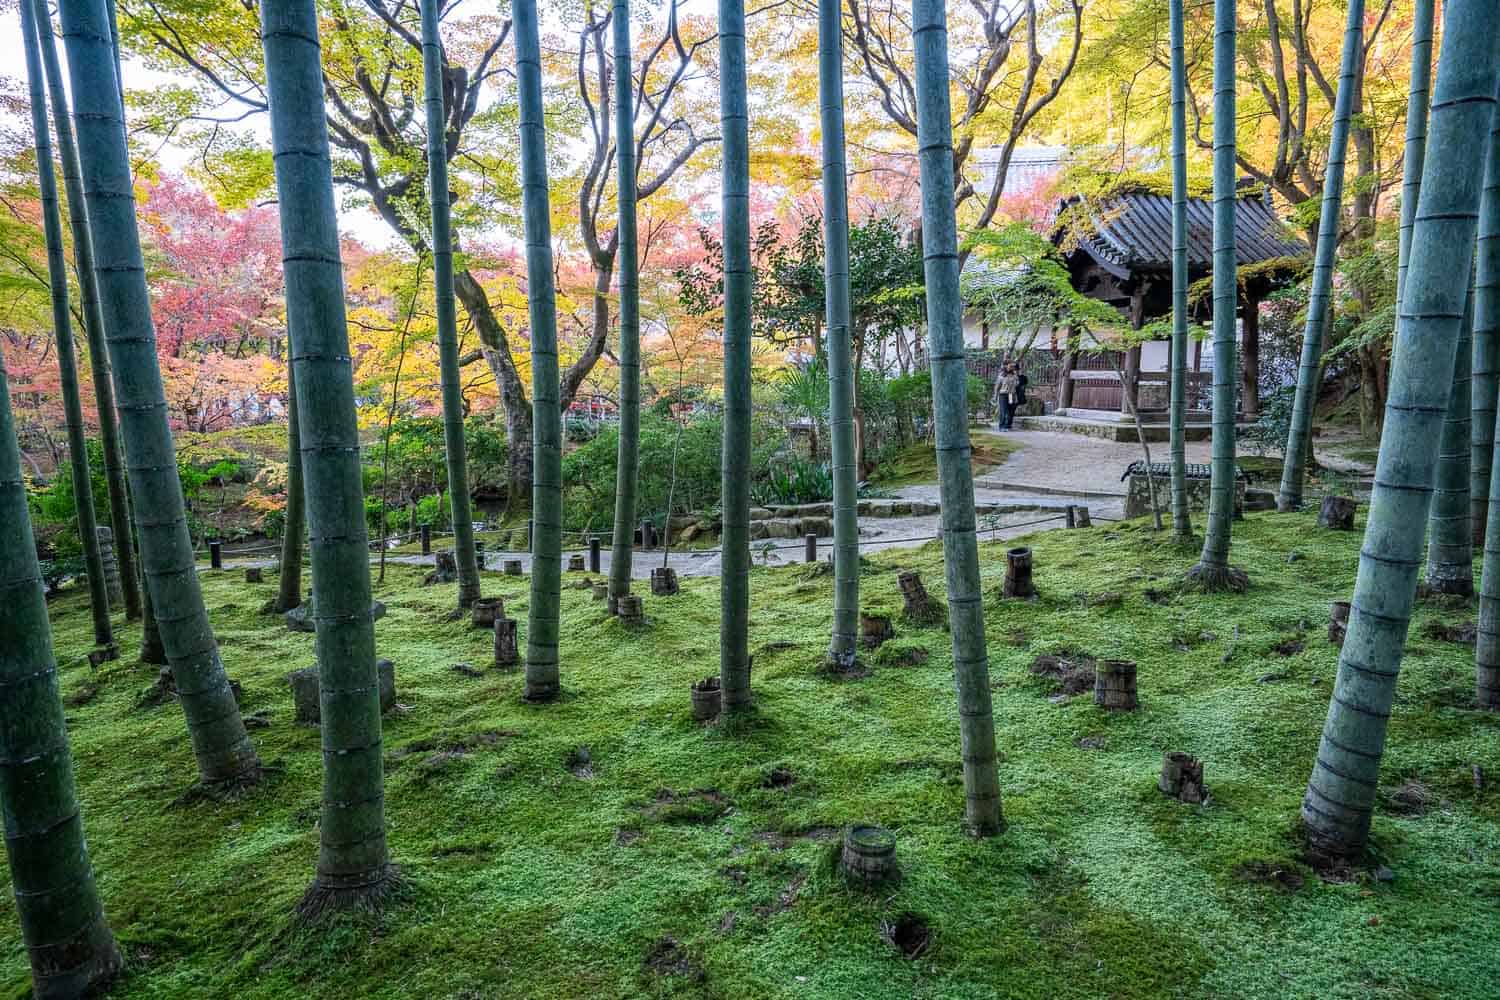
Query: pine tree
{"type": "Point", "coordinates": [354, 867]}
{"type": "Point", "coordinates": [438, 151]}
{"type": "Point", "coordinates": [223, 749]}
{"type": "Point", "coordinates": [542, 623]}
{"type": "Point", "coordinates": [1341, 792]}
{"type": "Point", "coordinates": [951, 412]}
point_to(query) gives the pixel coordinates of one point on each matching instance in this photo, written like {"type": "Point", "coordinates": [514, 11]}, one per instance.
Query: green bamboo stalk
{"type": "Point", "coordinates": [1182, 527]}
{"type": "Point", "coordinates": [447, 321]}
{"type": "Point", "coordinates": [1213, 571]}
{"type": "Point", "coordinates": [1294, 466]}
{"type": "Point", "coordinates": [93, 318]}
{"type": "Point", "coordinates": [62, 921]}
{"type": "Point", "coordinates": [841, 647]}
{"type": "Point", "coordinates": [734, 540]}
{"type": "Point", "coordinates": [1341, 792]}
{"type": "Point", "coordinates": [1417, 99]}
{"type": "Point", "coordinates": [289, 585]}
{"type": "Point", "coordinates": [223, 749]}
{"type": "Point", "coordinates": [1487, 317]}
{"type": "Point", "coordinates": [542, 623]}
{"type": "Point", "coordinates": [1485, 380]}
{"type": "Point", "coordinates": [1450, 540]}
{"type": "Point", "coordinates": [971, 669]}
{"type": "Point", "coordinates": [62, 325]}
{"type": "Point", "coordinates": [354, 867]}
{"type": "Point", "coordinates": [627, 468]}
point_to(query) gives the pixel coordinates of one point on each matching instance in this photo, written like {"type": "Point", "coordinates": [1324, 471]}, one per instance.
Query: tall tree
{"type": "Point", "coordinates": [628, 460]}
{"type": "Point", "coordinates": [1319, 306]}
{"type": "Point", "coordinates": [223, 748]}
{"type": "Point", "coordinates": [289, 584]}
{"type": "Point", "coordinates": [1487, 318]}
{"type": "Point", "coordinates": [542, 623]}
{"type": "Point", "coordinates": [1418, 97]}
{"type": "Point", "coordinates": [1213, 571]}
{"type": "Point", "coordinates": [841, 648]}
{"type": "Point", "coordinates": [354, 867]}
{"type": "Point", "coordinates": [438, 137]}
{"type": "Point", "coordinates": [734, 579]}
{"type": "Point", "coordinates": [1341, 792]}
{"type": "Point", "coordinates": [950, 404]}
{"type": "Point", "coordinates": [62, 326]}
{"type": "Point", "coordinates": [1485, 377]}
{"type": "Point", "coordinates": [93, 319]}
{"type": "Point", "coordinates": [62, 920]}
{"type": "Point", "coordinates": [1182, 526]}
{"type": "Point", "coordinates": [1450, 540]}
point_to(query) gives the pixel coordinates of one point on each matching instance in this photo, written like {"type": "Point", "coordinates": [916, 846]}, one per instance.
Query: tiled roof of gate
{"type": "Point", "coordinates": [1133, 232]}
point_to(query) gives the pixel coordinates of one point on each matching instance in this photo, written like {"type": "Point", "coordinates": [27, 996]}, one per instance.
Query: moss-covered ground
{"type": "Point", "coordinates": [917, 462]}
{"type": "Point", "coordinates": [692, 861]}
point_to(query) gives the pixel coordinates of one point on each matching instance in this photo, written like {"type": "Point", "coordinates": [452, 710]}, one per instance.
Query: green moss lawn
{"type": "Point", "coordinates": [686, 861]}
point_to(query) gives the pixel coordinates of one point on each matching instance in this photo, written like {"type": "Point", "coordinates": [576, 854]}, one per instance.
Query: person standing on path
{"type": "Point", "coordinates": [1010, 393]}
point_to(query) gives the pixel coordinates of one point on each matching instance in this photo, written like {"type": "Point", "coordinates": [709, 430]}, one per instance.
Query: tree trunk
{"type": "Point", "coordinates": [1417, 100]}
{"type": "Point", "coordinates": [1213, 571]}
{"type": "Point", "coordinates": [1065, 376]}
{"type": "Point", "coordinates": [951, 407]}
{"type": "Point", "coordinates": [1450, 540]}
{"type": "Point", "coordinates": [1294, 467]}
{"type": "Point", "coordinates": [223, 749]}
{"type": "Point", "coordinates": [289, 585]}
{"type": "Point", "coordinates": [513, 401]}
{"type": "Point", "coordinates": [627, 464]}
{"type": "Point", "coordinates": [62, 325]}
{"type": "Point", "coordinates": [1341, 792]}
{"type": "Point", "coordinates": [734, 582]}
{"type": "Point", "coordinates": [93, 321]}
{"type": "Point", "coordinates": [62, 921]}
{"type": "Point", "coordinates": [1486, 374]}
{"type": "Point", "coordinates": [841, 646]}
{"type": "Point", "coordinates": [447, 321]}
{"type": "Point", "coordinates": [546, 503]}
{"type": "Point", "coordinates": [354, 868]}
{"type": "Point", "coordinates": [1182, 527]}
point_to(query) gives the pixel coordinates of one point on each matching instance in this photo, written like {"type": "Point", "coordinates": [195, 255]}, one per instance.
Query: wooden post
{"type": "Point", "coordinates": [216, 554]}
{"type": "Point", "coordinates": [707, 699]}
{"type": "Point", "coordinates": [575, 562]}
{"type": "Point", "coordinates": [919, 607]}
{"type": "Point", "coordinates": [1072, 516]}
{"type": "Point", "coordinates": [1081, 518]}
{"type": "Point", "coordinates": [427, 539]}
{"type": "Point", "coordinates": [1114, 685]}
{"type": "Point", "coordinates": [663, 581]}
{"type": "Point", "coordinates": [512, 567]}
{"type": "Point", "coordinates": [479, 552]}
{"type": "Point", "coordinates": [601, 590]}
{"type": "Point", "coordinates": [484, 611]}
{"type": "Point", "coordinates": [594, 554]}
{"type": "Point", "coordinates": [1018, 581]}
{"type": "Point", "coordinates": [1250, 359]}
{"type": "Point", "coordinates": [628, 607]}
{"type": "Point", "coordinates": [869, 855]}
{"type": "Point", "coordinates": [1182, 778]}
{"type": "Point", "coordinates": [811, 543]}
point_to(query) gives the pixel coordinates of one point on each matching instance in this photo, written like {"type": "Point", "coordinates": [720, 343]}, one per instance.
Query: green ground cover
{"type": "Point", "coordinates": [917, 463]}
{"type": "Point", "coordinates": [691, 861]}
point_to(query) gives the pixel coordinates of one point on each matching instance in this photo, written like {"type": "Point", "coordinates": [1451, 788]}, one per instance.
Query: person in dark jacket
{"type": "Point", "coordinates": [1010, 394]}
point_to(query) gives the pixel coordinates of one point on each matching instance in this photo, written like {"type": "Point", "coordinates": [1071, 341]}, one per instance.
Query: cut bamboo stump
{"type": "Point", "coordinates": [304, 684]}
{"type": "Point", "coordinates": [629, 609]}
{"type": "Point", "coordinates": [874, 629]}
{"type": "Point", "coordinates": [216, 555]}
{"type": "Point", "coordinates": [1018, 573]}
{"type": "Point", "coordinates": [112, 583]}
{"type": "Point", "coordinates": [1182, 778]}
{"type": "Point", "coordinates": [917, 606]}
{"type": "Point", "coordinates": [252, 574]}
{"type": "Point", "coordinates": [1338, 621]}
{"type": "Point", "coordinates": [869, 855]}
{"type": "Point", "coordinates": [601, 590]}
{"type": "Point", "coordinates": [663, 581]}
{"type": "Point", "coordinates": [1114, 685]}
{"type": "Point", "coordinates": [426, 539]}
{"type": "Point", "coordinates": [575, 563]}
{"type": "Point", "coordinates": [478, 553]}
{"type": "Point", "coordinates": [512, 567]}
{"type": "Point", "coordinates": [1337, 513]}
{"type": "Point", "coordinates": [445, 568]}
{"type": "Point", "coordinates": [1081, 518]}
{"type": "Point", "coordinates": [505, 642]}
{"type": "Point", "coordinates": [707, 699]}
{"type": "Point", "coordinates": [485, 610]}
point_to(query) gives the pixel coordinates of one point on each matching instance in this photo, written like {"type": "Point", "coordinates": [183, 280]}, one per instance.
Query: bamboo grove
{"type": "Point", "coordinates": [1434, 499]}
